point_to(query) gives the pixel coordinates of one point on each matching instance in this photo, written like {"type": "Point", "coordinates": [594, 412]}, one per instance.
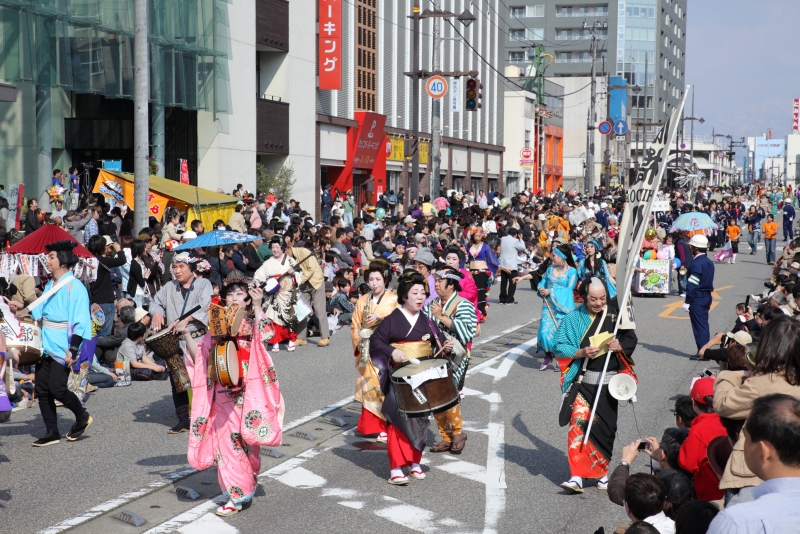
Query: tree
{"type": "Point", "coordinates": [281, 180]}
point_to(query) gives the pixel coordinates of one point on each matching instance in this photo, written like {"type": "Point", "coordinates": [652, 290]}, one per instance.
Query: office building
{"type": "Point", "coordinates": [375, 98]}
{"type": "Point", "coordinates": [72, 64]}
{"type": "Point", "coordinates": [641, 37]}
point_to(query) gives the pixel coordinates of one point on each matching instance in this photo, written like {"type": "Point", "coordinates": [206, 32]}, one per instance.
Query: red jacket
{"type": "Point", "coordinates": [693, 456]}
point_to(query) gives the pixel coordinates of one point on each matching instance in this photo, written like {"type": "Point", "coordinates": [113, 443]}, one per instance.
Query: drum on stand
{"type": "Point", "coordinates": [425, 388]}
{"type": "Point", "coordinates": [167, 346]}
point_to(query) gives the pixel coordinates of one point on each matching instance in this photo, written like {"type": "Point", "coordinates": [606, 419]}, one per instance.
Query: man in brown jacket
{"type": "Point", "coordinates": [312, 285]}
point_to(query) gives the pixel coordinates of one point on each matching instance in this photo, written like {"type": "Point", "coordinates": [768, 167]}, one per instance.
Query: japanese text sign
{"type": "Point", "coordinates": [370, 139]}
{"type": "Point", "coordinates": [796, 115]}
{"type": "Point", "coordinates": [329, 59]}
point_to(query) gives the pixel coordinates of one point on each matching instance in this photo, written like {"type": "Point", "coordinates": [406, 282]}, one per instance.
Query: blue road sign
{"type": "Point", "coordinates": [620, 127]}
{"type": "Point", "coordinates": [604, 127]}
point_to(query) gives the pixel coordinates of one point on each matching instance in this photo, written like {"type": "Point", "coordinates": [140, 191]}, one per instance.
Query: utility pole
{"type": "Point", "coordinates": [141, 118]}
{"type": "Point", "coordinates": [413, 187]}
{"type": "Point", "coordinates": [436, 142]}
{"type": "Point", "coordinates": [589, 180]}
{"type": "Point", "coordinates": [691, 142]}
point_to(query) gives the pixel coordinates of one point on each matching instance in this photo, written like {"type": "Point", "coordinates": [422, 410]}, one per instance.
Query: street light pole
{"type": "Point", "coordinates": [413, 187]}
{"type": "Point", "coordinates": [589, 180]}
{"type": "Point", "coordinates": [436, 142]}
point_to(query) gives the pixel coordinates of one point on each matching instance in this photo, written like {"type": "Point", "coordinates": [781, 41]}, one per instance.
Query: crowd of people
{"type": "Point", "coordinates": [375, 270]}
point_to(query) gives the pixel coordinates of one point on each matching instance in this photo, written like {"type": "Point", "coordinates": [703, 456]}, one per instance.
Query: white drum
{"type": "Point", "coordinates": [28, 342]}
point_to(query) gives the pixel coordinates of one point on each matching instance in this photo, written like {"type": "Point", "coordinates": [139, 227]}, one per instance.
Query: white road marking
{"type": "Point", "coordinates": [169, 478]}
{"type": "Point", "coordinates": [340, 492]}
{"type": "Point", "coordinates": [122, 500]}
{"type": "Point", "coordinates": [207, 524]}
{"type": "Point", "coordinates": [318, 413]}
{"type": "Point", "coordinates": [495, 473]}
{"type": "Point", "coordinates": [416, 518]}
{"type": "Point", "coordinates": [358, 505]}
{"type": "Point", "coordinates": [467, 392]}
{"type": "Point", "coordinates": [204, 507]}
{"type": "Point", "coordinates": [465, 469]}
{"type": "Point", "coordinates": [492, 398]}
{"type": "Point", "coordinates": [302, 478]}
{"type": "Point", "coordinates": [190, 516]}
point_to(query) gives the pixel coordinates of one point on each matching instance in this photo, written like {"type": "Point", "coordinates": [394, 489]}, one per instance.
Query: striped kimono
{"type": "Point", "coordinates": [463, 327]}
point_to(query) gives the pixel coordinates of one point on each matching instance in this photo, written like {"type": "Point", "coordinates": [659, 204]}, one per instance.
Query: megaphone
{"type": "Point", "coordinates": [622, 387]}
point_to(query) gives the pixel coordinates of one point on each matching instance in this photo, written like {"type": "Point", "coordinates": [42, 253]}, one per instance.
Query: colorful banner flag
{"type": "Point", "coordinates": [120, 191]}
{"type": "Point", "coordinates": [640, 197]}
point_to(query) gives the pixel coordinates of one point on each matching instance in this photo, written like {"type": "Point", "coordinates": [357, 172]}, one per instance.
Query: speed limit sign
{"type": "Point", "coordinates": [436, 86]}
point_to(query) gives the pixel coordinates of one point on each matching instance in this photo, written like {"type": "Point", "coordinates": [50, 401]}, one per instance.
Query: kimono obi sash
{"type": "Point", "coordinates": [414, 349]}
{"type": "Point", "coordinates": [46, 323]}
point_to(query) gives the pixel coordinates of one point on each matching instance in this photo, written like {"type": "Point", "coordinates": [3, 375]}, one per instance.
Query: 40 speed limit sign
{"type": "Point", "coordinates": [436, 86]}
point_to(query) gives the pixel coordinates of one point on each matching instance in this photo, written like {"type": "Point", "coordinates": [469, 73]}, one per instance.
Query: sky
{"type": "Point", "coordinates": [744, 58]}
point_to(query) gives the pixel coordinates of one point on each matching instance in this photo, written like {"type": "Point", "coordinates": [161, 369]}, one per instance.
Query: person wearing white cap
{"type": "Point", "coordinates": [699, 286]}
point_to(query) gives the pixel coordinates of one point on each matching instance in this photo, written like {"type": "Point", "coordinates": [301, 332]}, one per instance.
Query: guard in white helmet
{"type": "Point", "coordinates": [699, 286]}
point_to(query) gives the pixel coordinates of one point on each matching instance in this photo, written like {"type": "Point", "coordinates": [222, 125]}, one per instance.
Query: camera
{"type": "Point", "coordinates": [643, 446]}
{"type": "Point", "coordinates": [706, 372]}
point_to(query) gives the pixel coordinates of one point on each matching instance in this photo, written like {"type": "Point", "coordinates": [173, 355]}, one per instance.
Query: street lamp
{"type": "Point", "coordinates": [466, 19]}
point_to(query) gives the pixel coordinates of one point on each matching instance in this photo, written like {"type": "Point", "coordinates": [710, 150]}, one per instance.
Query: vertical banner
{"type": "Point", "coordinates": [329, 58]}
{"type": "Point", "coordinates": [184, 171]}
{"type": "Point", "coordinates": [15, 194]}
{"type": "Point", "coordinates": [640, 198]}
{"type": "Point", "coordinates": [455, 94]}
{"type": "Point", "coordinates": [796, 115]}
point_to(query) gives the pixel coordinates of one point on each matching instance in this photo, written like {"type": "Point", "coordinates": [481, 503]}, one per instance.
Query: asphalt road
{"type": "Point", "coordinates": [506, 480]}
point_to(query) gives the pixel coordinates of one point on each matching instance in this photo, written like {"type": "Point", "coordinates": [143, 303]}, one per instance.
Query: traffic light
{"type": "Point", "coordinates": [410, 146]}
{"type": "Point", "coordinates": [473, 94]}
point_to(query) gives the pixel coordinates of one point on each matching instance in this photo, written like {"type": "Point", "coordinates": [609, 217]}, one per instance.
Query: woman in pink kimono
{"type": "Point", "coordinates": [230, 425]}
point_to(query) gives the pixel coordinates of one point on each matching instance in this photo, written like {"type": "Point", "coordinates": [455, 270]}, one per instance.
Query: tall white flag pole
{"type": "Point", "coordinates": [640, 197]}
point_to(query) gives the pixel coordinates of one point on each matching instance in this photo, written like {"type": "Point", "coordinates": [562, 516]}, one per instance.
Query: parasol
{"type": "Point", "coordinates": [217, 238]}
{"type": "Point", "coordinates": [694, 222]}
{"type": "Point", "coordinates": [34, 242]}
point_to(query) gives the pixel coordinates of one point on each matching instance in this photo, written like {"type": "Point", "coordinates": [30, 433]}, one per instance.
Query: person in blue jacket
{"type": "Point", "coordinates": [699, 287]}
{"type": "Point", "coordinates": [788, 221]}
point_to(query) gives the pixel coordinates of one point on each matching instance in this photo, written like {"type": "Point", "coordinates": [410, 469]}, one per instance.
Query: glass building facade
{"type": "Point", "coordinates": [86, 46]}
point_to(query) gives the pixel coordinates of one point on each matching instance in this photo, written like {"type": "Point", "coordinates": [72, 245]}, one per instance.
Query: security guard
{"type": "Point", "coordinates": [698, 290]}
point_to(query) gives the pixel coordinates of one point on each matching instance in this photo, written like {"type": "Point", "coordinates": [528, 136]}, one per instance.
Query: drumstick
{"type": "Point", "coordinates": [188, 313]}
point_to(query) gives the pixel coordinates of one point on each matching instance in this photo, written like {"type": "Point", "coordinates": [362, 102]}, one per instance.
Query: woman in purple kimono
{"type": "Point", "coordinates": [404, 334]}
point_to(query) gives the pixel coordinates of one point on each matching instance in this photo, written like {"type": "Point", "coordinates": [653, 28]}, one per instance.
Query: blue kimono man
{"type": "Point", "coordinates": [66, 322]}
{"type": "Point", "coordinates": [699, 286]}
